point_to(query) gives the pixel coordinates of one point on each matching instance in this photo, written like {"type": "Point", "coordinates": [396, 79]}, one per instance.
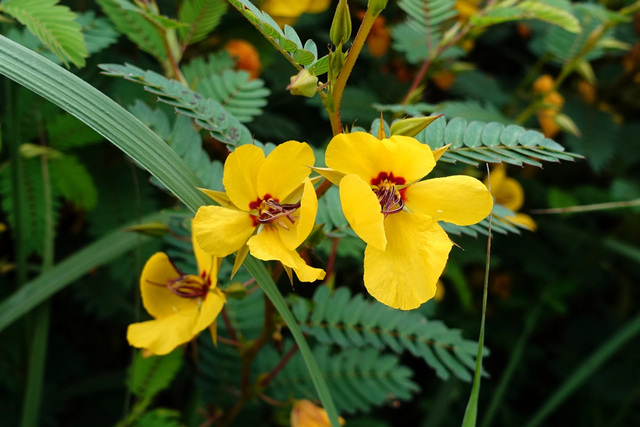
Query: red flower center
{"type": "Point", "coordinates": [390, 198]}
{"type": "Point", "coordinates": [269, 210]}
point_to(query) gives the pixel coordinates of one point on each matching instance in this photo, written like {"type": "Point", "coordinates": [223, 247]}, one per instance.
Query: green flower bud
{"type": "Point", "coordinates": [340, 31]}
{"type": "Point", "coordinates": [236, 290]}
{"type": "Point", "coordinates": [413, 126]}
{"type": "Point", "coordinates": [304, 83]}
{"type": "Point", "coordinates": [376, 6]}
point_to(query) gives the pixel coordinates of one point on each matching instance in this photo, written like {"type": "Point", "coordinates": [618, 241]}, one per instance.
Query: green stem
{"type": "Point", "coordinates": [258, 270]}
{"type": "Point", "coordinates": [40, 317]}
{"type": "Point", "coordinates": [589, 208]}
{"type": "Point", "coordinates": [471, 413]}
{"type": "Point", "coordinates": [514, 361]}
{"type": "Point", "coordinates": [345, 72]}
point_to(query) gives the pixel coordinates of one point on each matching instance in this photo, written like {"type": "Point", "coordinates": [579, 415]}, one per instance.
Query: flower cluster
{"type": "Point", "coordinates": [269, 207]}
{"type": "Point", "coordinates": [553, 103]}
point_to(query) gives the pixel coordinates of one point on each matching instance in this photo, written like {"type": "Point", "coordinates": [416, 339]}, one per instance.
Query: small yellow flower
{"type": "Point", "coordinates": [183, 305]}
{"type": "Point", "coordinates": [288, 11]}
{"type": "Point", "coordinates": [509, 193]}
{"type": "Point", "coordinates": [269, 207]}
{"type": "Point", "coordinates": [306, 414]}
{"type": "Point", "coordinates": [397, 215]}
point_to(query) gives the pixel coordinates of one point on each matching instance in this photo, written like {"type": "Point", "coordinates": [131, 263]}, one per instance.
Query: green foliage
{"type": "Point", "coordinates": [214, 78]}
{"type": "Point", "coordinates": [348, 321]}
{"type": "Point", "coordinates": [54, 25]}
{"type": "Point", "coordinates": [420, 33]}
{"type": "Point", "coordinates": [185, 140]}
{"type": "Point", "coordinates": [288, 40]}
{"type": "Point", "coordinates": [477, 141]}
{"type": "Point", "coordinates": [358, 378]}
{"type": "Point", "coordinates": [159, 418]}
{"type": "Point", "coordinates": [207, 113]}
{"type": "Point", "coordinates": [98, 32]}
{"type": "Point", "coordinates": [504, 12]}
{"type": "Point", "coordinates": [65, 132]}
{"type": "Point", "coordinates": [148, 376]}
{"type": "Point", "coordinates": [73, 181]}
{"type": "Point", "coordinates": [135, 27]}
{"type": "Point", "coordinates": [34, 201]}
{"type": "Point", "coordinates": [202, 16]}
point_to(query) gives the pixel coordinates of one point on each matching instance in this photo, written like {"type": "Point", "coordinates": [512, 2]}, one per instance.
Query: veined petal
{"type": "Point", "coordinates": [157, 298]}
{"type": "Point", "coordinates": [458, 199]}
{"type": "Point", "coordinates": [358, 153]}
{"type": "Point", "coordinates": [300, 229]}
{"type": "Point", "coordinates": [208, 310]}
{"type": "Point", "coordinates": [405, 274]}
{"type": "Point", "coordinates": [221, 231]}
{"type": "Point", "coordinates": [284, 169]}
{"type": "Point", "coordinates": [240, 175]}
{"type": "Point", "coordinates": [207, 263]}
{"type": "Point", "coordinates": [268, 246]}
{"type": "Point", "coordinates": [220, 197]}
{"type": "Point", "coordinates": [162, 335]}
{"type": "Point", "coordinates": [362, 209]}
{"type": "Point", "coordinates": [409, 158]}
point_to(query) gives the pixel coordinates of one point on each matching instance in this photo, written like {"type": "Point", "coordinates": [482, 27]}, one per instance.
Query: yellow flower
{"type": "Point", "coordinates": [269, 207]}
{"type": "Point", "coordinates": [397, 215]}
{"type": "Point", "coordinates": [306, 414]}
{"type": "Point", "coordinates": [183, 305]}
{"type": "Point", "coordinates": [288, 11]}
{"type": "Point", "coordinates": [509, 193]}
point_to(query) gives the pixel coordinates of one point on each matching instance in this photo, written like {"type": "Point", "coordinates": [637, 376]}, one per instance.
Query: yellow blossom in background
{"type": "Point", "coordinates": [552, 104]}
{"type": "Point", "coordinates": [182, 305]}
{"type": "Point", "coordinates": [245, 55]}
{"type": "Point", "coordinates": [307, 414]}
{"type": "Point", "coordinates": [287, 12]}
{"type": "Point", "coordinates": [440, 291]}
{"type": "Point", "coordinates": [466, 8]}
{"type": "Point", "coordinates": [269, 207]}
{"type": "Point", "coordinates": [397, 215]}
{"type": "Point", "coordinates": [509, 193]}
{"type": "Point", "coordinates": [379, 38]}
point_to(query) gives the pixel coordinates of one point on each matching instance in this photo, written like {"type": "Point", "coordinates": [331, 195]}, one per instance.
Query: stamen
{"type": "Point", "coordinates": [189, 286]}
{"type": "Point", "coordinates": [271, 211]}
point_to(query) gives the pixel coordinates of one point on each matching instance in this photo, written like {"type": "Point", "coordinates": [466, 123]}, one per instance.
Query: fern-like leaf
{"type": "Point", "coordinates": [528, 9]}
{"type": "Point", "coordinates": [202, 16]}
{"type": "Point", "coordinates": [54, 25]}
{"type": "Point", "coordinates": [73, 181]}
{"type": "Point", "coordinates": [98, 32]}
{"type": "Point", "coordinates": [287, 39]}
{"type": "Point", "coordinates": [65, 132]}
{"type": "Point", "coordinates": [185, 141]}
{"type": "Point", "coordinates": [202, 68]}
{"type": "Point", "coordinates": [348, 321]}
{"type": "Point", "coordinates": [357, 378]}
{"type": "Point", "coordinates": [207, 113]}
{"type": "Point", "coordinates": [138, 29]}
{"type": "Point", "coordinates": [150, 375]}
{"type": "Point", "coordinates": [422, 30]}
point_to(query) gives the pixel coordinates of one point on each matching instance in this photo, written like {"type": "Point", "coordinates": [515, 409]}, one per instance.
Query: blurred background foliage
{"type": "Point", "coordinates": [562, 319]}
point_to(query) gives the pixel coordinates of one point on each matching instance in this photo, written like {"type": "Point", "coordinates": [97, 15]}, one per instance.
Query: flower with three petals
{"type": "Point", "coordinates": [397, 215]}
{"type": "Point", "coordinates": [269, 208]}
{"type": "Point", "coordinates": [183, 305]}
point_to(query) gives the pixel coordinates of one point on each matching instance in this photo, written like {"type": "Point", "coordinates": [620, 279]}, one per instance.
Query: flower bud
{"type": "Point", "coordinates": [236, 290]}
{"type": "Point", "coordinates": [340, 31]}
{"type": "Point", "coordinates": [376, 6]}
{"type": "Point", "coordinates": [304, 83]}
{"type": "Point", "coordinates": [413, 126]}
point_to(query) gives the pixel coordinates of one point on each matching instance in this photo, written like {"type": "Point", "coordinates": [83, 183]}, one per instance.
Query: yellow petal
{"type": "Point", "coordinates": [284, 169]}
{"type": "Point", "coordinates": [405, 274]}
{"type": "Point", "coordinates": [409, 158]}
{"type": "Point", "coordinates": [317, 6]}
{"type": "Point", "coordinates": [285, 8]}
{"type": "Point", "coordinates": [523, 220]}
{"type": "Point", "coordinates": [362, 209]}
{"type": "Point", "coordinates": [358, 153]}
{"type": "Point", "coordinates": [438, 152]}
{"type": "Point", "coordinates": [208, 310]}
{"type": "Point", "coordinates": [498, 175]}
{"type": "Point", "coordinates": [330, 174]}
{"type": "Point", "coordinates": [161, 336]}
{"type": "Point", "coordinates": [207, 264]}
{"type": "Point", "coordinates": [510, 194]}
{"type": "Point", "coordinates": [267, 246]}
{"type": "Point", "coordinates": [220, 197]}
{"type": "Point", "coordinates": [458, 199]}
{"type": "Point", "coordinates": [240, 175]}
{"type": "Point", "coordinates": [221, 231]}
{"type": "Point", "coordinates": [300, 229]}
{"type": "Point", "coordinates": [157, 298]}
{"type": "Point", "coordinates": [237, 263]}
